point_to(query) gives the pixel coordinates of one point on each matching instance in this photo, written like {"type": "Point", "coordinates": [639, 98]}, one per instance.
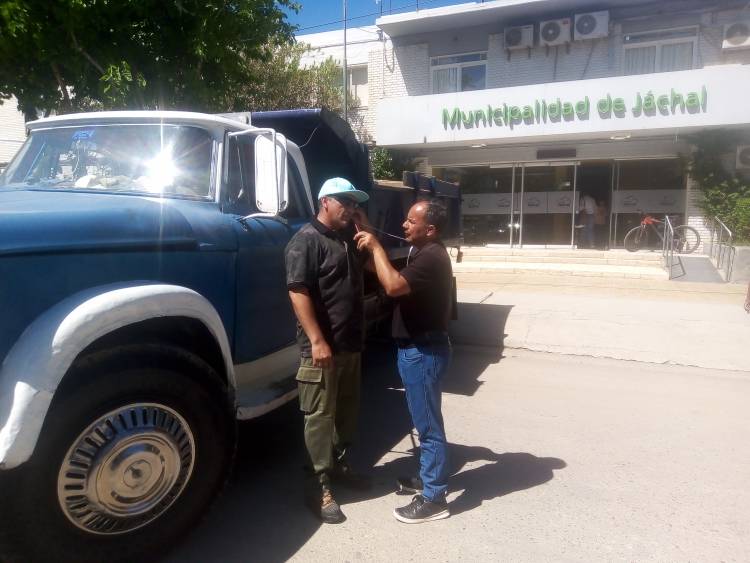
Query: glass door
{"type": "Point", "coordinates": [654, 186]}
{"type": "Point", "coordinates": [595, 179]}
{"type": "Point", "coordinates": [547, 204]}
{"type": "Point", "coordinates": [489, 206]}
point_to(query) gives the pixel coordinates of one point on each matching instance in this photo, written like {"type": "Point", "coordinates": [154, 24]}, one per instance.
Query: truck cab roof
{"type": "Point", "coordinates": [105, 117]}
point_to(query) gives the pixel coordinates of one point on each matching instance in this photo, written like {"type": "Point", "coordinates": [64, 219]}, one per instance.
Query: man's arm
{"type": "Point", "coordinates": [302, 303]}
{"type": "Point", "coordinates": [392, 281]}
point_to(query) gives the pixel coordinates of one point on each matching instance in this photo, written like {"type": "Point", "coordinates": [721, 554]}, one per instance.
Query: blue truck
{"type": "Point", "coordinates": [143, 311]}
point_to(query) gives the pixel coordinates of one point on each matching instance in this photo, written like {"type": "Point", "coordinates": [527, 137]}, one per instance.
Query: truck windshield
{"type": "Point", "coordinates": [149, 158]}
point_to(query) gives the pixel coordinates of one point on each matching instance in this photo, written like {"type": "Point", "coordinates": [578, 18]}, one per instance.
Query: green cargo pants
{"type": "Point", "coordinates": [330, 400]}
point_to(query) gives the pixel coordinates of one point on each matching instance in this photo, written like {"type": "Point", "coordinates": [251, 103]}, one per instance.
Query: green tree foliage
{"type": "Point", "coordinates": [724, 194]}
{"type": "Point", "coordinates": [287, 84]}
{"type": "Point", "coordinates": [389, 165]}
{"type": "Point", "coordinates": [381, 163]}
{"type": "Point", "coordinates": [72, 55]}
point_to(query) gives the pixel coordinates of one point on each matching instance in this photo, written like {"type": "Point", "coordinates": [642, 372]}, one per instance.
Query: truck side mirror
{"type": "Point", "coordinates": [271, 180]}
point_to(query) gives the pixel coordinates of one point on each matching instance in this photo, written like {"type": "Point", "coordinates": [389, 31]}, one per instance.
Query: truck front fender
{"type": "Point", "coordinates": [40, 358]}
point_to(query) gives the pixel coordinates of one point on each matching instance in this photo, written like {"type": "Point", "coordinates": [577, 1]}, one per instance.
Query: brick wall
{"type": "Point", "coordinates": [395, 72]}
{"type": "Point", "coordinates": [578, 61]}
{"type": "Point", "coordinates": [359, 123]}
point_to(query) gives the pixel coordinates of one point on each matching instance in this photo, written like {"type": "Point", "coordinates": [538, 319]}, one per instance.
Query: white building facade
{"type": "Point", "coordinates": [529, 103]}
{"type": "Point", "coordinates": [12, 130]}
{"type": "Point", "coordinates": [360, 41]}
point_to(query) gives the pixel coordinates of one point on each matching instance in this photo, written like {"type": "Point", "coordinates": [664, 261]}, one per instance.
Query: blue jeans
{"type": "Point", "coordinates": [421, 368]}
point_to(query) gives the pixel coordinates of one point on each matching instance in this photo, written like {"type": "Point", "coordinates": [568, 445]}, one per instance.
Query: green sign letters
{"type": "Point", "coordinates": [541, 111]}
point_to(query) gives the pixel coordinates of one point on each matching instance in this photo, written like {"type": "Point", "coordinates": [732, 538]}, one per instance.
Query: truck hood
{"type": "Point", "coordinates": [41, 221]}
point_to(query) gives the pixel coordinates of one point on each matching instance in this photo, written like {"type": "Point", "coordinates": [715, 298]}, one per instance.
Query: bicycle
{"type": "Point", "coordinates": [686, 239]}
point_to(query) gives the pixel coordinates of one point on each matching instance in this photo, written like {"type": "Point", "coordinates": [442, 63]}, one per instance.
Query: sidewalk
{"type": "Point", "coordinates": [690, 332]}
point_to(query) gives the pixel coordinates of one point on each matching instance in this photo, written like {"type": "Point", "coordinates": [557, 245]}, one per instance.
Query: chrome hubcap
{"type": "Point", "coordinates": [126, 469]}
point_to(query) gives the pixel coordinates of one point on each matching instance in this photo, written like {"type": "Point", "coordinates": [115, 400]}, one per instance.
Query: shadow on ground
{"type": "Point", "coordinates": [261, 516]}
{"type": "Point", "coordinates": [478, 332]}
{"type": "Point", "coordinates": [480, 324]}
{"type": "Point", "coordinates": [502, 474]}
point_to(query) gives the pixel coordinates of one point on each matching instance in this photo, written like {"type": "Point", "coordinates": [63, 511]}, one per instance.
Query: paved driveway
{"type": "Point", "coordinates": [556, 458]}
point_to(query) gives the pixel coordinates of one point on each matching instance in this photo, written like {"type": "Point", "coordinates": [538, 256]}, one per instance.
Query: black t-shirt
{"type": "Point", "coordinates": [328, 264]}
{"type": "Point", "coordinates": [427, 308]}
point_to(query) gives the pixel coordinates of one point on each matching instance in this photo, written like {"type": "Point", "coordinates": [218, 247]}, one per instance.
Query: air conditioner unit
{"type": "Point", "coordinates": [736, 36]}
{"type": "Point", "coordinates": [554, 32]}
{"type": "Point", "coordinates": [591, 26]}
{"type": "Point", "coordinates": [520, 37]}
{"type": "Point", "coordinates": [743, 157]}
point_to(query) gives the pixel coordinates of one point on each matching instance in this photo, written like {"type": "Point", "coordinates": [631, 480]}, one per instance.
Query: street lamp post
{"type": "Point", "coordinates": [346, 82]}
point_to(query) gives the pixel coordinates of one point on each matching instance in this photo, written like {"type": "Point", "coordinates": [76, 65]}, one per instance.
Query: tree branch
{"type": "Point", "coordinates": [61, 84]}
{"type": "Point", "coordinates": [88, 57]}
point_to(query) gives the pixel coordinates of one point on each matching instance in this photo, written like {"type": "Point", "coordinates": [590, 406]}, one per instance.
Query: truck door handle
{"type": "Point", "coordinates": [271, 216]}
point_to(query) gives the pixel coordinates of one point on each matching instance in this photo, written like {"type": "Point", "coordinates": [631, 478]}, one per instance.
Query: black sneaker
{"type": "Point", "coordinates": [409, 486]}
{"type": "Point", "coordinates": [343, 474]}
{"type": "Point", "coordinates": [325, 507]}
{"type": "Point", "coordinates": [422, 510]}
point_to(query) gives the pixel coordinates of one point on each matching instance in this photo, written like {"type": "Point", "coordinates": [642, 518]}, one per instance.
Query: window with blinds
{"type": "Point", "coordinates": [659, 51]}
{"type": "Point", "coordinates": [459, 73]}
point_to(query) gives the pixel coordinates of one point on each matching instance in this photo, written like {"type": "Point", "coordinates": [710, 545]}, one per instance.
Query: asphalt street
{"type": "Point", "coordinates": [555, 458]}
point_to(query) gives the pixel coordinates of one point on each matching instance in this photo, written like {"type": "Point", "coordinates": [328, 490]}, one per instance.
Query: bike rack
{"type": "Point", "coordinates": [722, 250]}
{"type": "Point", "coordinates": [667, 250]}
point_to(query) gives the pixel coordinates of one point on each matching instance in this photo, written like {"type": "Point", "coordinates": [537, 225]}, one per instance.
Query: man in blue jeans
{"type": "Point", "coordinates": [424, 292]}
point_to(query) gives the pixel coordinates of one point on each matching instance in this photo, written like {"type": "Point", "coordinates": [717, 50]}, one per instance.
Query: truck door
{"type": "Point", "coordinates": [264, 322]}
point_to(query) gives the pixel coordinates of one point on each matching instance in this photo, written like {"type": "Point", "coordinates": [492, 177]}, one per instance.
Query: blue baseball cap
{"type": "Point", "coordinates": [342, 187]}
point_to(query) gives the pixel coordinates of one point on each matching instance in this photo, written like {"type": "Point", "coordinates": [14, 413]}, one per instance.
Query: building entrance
{"type": "Point", "coordinates": [548, 196]}
{"type": "Point", "coordinates": [537, 203]}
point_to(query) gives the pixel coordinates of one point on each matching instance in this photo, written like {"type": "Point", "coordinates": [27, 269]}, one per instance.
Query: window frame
{"type": "Point", "coordinates": [298, 206]}
{"type": "Point", "coordinates": [294, 153]}
{"type": "Point", "coordinates": [659, 43]}
{"type": "Point", "coordinates": [459, 66]}
{"type": "Point", "coordinates": [350, 81]}
{"type": "Point", "coordinates": [246, 204]}
{"type": "Point", "coordinates": [213, 188]}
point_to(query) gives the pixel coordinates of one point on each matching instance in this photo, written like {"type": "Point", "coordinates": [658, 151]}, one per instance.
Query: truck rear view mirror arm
{"type": "Point", "coordinates": [271, 181]}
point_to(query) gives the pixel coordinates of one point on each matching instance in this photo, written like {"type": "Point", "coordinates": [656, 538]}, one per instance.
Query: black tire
{"type": "Point", "coordinates": [686, 239]}
{"type": "Point", "coordinates": [633, 239]}
{"type": "Point", "coordinates": [183, 402]}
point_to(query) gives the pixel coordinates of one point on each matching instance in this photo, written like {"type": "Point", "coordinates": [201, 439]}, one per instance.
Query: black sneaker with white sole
{"type": "Point", "coordinates": [422, 510]}
{"type": "Point", "coordinates": [409, 486]}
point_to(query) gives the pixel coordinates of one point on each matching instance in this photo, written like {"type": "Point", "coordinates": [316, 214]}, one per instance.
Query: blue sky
{"type": "Point", "coordinates": [325, 15]}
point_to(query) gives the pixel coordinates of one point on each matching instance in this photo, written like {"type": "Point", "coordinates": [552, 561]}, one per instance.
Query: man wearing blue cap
{"type": "Point", "coordinates": [324, 278]}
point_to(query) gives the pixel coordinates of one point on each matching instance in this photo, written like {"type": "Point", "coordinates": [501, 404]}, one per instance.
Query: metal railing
{"type": "Point", "coordinates": [722, 250]}
{"type": "Point", "coordinates": [667, 250]}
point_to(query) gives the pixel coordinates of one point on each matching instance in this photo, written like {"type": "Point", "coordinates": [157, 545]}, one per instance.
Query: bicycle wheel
{"type": "Point", "coordinates": [686, 239]}
{"type": "Point", "coordinates": [633, 239]}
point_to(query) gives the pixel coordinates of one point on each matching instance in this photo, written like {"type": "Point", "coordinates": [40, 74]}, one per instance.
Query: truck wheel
{"type": "Point", "coordinates": [129, 459]}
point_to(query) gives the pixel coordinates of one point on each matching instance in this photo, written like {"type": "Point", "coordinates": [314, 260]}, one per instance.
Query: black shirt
{"type": "Point", "coordinates": [427, 308]}
{"type": "Point", "coordinates": [328, 264]}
